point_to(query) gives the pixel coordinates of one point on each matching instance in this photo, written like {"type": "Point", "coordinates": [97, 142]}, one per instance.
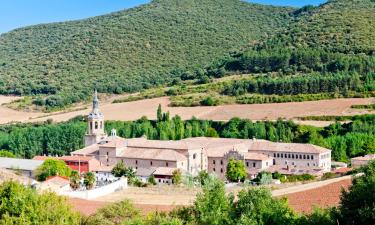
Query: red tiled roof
{"type": "Point", "coordinates": [76, 158]}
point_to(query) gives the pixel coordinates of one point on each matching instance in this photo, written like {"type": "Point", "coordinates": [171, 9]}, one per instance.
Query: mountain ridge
{"type": "Point", "coordinates": [129, 50]}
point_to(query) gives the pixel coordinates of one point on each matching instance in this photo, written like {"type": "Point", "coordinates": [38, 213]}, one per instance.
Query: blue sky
{"type": "Point", "coordinates": [19, 13]}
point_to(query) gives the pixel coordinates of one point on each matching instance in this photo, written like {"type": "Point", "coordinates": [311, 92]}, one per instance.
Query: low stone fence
{"type": "Point", "coordinates": [98, 192]}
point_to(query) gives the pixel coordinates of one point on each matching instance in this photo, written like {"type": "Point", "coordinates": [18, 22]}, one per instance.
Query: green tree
{"type": "Point", "coordinates": [75, 179]}
{"type": "Point", "coordinates": [177, 177]}
{"type": "Point", "coordinates": [119, 169]}
{"type": "Point", "coordinates": [89, 180]}
{"type": "Point", "coordinates": [257, 206]}
{"type": "Point", "coordinates": [23, 205]}
{"type": "Point", "coordinates": [236, 170]}
{"type": "Point", "coordinates": [212, 206]}
{"type": "Point", "coordinates": [151, 180]}
{"type": "Point", "coordinates": [52, 167]}
{"type": "Point", "coordinates": [159, 114]}
{"type": "Point", "coordinates": [211, 132]}
{"type": "Point", "coordinates": [116, 213]}
{"type": "Point", "coordinates": [358, 203]}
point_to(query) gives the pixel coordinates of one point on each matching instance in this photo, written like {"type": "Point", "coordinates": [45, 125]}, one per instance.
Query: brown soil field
{"type": "Point", "coordinates": [323, 197]}
{"type": "Point", "coordinates": [134, 110]}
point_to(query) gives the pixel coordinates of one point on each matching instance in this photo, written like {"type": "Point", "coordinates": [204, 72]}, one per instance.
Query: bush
{"type": "Point", "coordinates": [52, 167]}
{"type": "Point", "coordinates": [23, 205]}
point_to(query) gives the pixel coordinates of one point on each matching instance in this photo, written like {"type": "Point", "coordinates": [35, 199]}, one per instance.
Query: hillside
{"type": "Point", "coordinates": [129, 50]}
{"type": "Point", "coordinates": [346, 26]}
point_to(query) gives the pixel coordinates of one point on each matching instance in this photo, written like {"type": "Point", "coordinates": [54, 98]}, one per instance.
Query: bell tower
{"type": "Point", "coordinates": [95, 120]}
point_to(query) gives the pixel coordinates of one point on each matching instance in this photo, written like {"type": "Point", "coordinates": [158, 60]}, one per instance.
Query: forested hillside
{"type": "Point", "coordinates": [129, 50]}
{"type": "Point", "coordinates": [346, 26]}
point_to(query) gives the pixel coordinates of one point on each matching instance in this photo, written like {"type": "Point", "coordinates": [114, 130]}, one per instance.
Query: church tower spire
{"type": "Point", "coordinates": [95, 122]}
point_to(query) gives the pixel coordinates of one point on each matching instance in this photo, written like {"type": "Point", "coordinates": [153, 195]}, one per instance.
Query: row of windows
{"type": "Point", "coordinates": [308, 164]}
{"type": "Point", "coordinates": [221, 170]}
{"type": "Point", "coordinates": [325, 156]}
{"type": "Point", "coordinates": [136, 163]}
{"type": "Point", "coordinates": [214, 162]}
{"type": "Point", "coordinates": [293, 156]}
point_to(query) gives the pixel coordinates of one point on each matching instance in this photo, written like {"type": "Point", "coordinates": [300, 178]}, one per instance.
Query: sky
{"type": "Point", "coordinates": [20, 13]}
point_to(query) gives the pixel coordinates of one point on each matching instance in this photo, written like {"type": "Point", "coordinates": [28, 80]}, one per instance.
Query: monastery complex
{"type": "Point", "coordinates": [192, 155]}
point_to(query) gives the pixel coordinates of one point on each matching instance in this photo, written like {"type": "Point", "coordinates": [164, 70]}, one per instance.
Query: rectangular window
{"type": "Point", "coordinates": [213, 161]}
{"type": "Point", "coordinates": [254, 164]}
{"type": "Point", "coordinates": [247, 164]}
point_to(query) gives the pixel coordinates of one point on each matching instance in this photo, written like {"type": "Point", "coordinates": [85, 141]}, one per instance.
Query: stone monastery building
{"type": "Point", "coordinates": [193, 155]}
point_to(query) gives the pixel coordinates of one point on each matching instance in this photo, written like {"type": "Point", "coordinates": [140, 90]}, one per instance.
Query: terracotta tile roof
{"type": "Point", "coordinates": [286, 147]}
{"type": "Point", "coordinates": [102, 168]}
{"type": "Point", "coordinates": [165, 171]}
{"type": "Point", "coordinates": [145, 172]}
{"type": "Point", "coordinates": [57, 180]}
{"type": "Point", "coordinates": [114, 142]}
{"type": "Point", "coordinates": [365, 158]}
{"type": "Point", "coordinates": [77, 158]}
{"type": "Point", "coordinates": [342, 170]}
{"type": "Point", "coordinates": [154, 154]}
{"type": "Point", "coordinates": [255, 156]}
{"type": "Point", "coordinates": [89, 150]}
{"type": "Point", "coordinates": [295, 171]}
{"type": "Point", "coordinates": [174, 145]}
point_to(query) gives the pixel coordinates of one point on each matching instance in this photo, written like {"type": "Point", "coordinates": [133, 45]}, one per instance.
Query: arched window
{"type": "Point", "coordinates": [194, 155]}
{"type": "Point", "coordinates": [96, 125]}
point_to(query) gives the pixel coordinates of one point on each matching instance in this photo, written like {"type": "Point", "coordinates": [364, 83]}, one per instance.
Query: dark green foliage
{"type": "Point", "coordinates": [358, 203]}
{"type": "Point", "coordinates": [308, 84]}
{"type": "Point", "coordinates": [129, 50]}
{"type": "Point", "coordinates": [89, 180]}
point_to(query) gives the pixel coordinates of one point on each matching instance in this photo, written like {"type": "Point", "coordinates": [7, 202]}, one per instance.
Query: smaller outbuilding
{"type": "Point", "coordinates": [25, 166]}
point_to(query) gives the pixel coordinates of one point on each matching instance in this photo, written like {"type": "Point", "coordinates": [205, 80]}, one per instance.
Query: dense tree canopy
{"type": "Point", "coordinates": [129, 50]}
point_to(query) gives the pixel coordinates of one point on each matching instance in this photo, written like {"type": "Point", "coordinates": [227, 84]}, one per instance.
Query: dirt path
{"type": "Point", "coordinates": [135, 110]}
{"type": "Point", "coordinates": [308, 186]}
